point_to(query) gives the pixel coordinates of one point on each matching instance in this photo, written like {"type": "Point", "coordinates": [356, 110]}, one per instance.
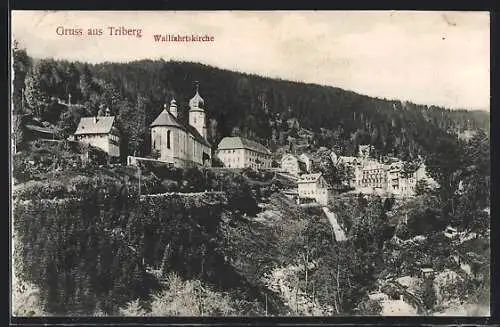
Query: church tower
{"type": "Point", "coordinates": [173, 108]}
{"type": "Point", "coordinates": [197, 113]}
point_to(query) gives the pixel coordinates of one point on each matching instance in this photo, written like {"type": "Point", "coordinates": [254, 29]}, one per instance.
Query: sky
{"type": "Point", "coordinates": [434, 58]}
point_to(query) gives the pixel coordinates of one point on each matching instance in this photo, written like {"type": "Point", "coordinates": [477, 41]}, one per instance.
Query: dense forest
{"type": "Point", "coordinates": [236, 104]}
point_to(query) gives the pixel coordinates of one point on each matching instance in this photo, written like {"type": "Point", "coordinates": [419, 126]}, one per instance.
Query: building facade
{"type": "Point", "coordinates": [239, 152]}
{"type": "Point", "coordinates": [374, 176]}
{"type": "Point", "coordinates": [182, 145]}
{"type": "Point", "coordinates": [406, 182]}
{"type": "Point", "coordinates": [371, 175]}
{"type": "Point", "coordinates": [101, 132]}
{"type": "Point", "coordinates": [313, 187]}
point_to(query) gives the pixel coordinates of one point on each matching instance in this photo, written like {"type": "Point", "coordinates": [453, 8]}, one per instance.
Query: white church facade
{"type": "Point", "coordinates": [182, 145]}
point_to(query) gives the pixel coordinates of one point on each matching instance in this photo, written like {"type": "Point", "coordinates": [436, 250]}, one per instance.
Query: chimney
{"type": "Point", "coordinates": [107, 112]}
{"type": "Point", "coordinates": [173, 108]}
{"type": "Point", "coordinates": [69, 99]}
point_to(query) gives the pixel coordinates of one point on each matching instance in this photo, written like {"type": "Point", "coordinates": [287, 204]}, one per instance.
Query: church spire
{"type": "Point", "coordinates": [196, 103]}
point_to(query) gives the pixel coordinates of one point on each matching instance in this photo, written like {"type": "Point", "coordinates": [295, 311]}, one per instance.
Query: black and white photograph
{"type": "Point", "coordinates": [250, 163]}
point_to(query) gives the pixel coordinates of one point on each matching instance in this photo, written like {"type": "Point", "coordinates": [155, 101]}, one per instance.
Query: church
{"type": "Point", "coordinates": [182, 145]}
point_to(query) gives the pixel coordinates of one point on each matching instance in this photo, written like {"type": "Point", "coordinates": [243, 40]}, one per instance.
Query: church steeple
{"type": "Point", "coordinates": [197, 112]}
{"type": "Point", "coordinates": [196, 103]}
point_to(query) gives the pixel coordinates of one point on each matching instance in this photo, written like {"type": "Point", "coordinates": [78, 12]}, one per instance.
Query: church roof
{"type": "Point", "coordinates": [95, 125]}
{"type": "Point", "coordinates": [165, 118]}
{"type": "Point", "coordinates": [237, 142]}
{"type": "Point", "coordinates": [197, 136]}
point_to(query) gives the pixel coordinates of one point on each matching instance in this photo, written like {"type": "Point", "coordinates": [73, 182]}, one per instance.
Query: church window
{"type": "Point", "coordinates": [157, 141]}
{"type": "Point", "coordinates": [168, 139]}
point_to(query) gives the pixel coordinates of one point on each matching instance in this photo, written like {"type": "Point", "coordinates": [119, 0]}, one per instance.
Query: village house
{"type": "Point", "coordinates": [313, 188]}
{"type": "Point", "coordinates": [365, 151]}
{"type": "Point", "coordinates": [352, 162]}
{"type": "Point", "coordinates": [239, 152]}
{"type": "Point", "coordinates": [101, 132]}
{"type": "Point", "coordinates": [307, 160]}
{"type": "Point", "coordinates": [292, 164]}
{"type": "Point", "coordinates": [182, 145]}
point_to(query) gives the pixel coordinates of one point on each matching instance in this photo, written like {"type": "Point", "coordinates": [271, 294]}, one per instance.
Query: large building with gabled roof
{"type": "Point", "coordinates": [182, 145]}
{"type": "Point", "coordinates": [239, 152]}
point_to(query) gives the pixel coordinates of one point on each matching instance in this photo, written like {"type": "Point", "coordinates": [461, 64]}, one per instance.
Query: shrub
{"type": "Point", "coordinates": [170, 185]}
{"type": "Point", "coordinates": [216, 162]}
{"type": "Point", "coordinates": [402, 231]}
{"type": "Point", "coordinates": [22, 169]}
{"type": "Point", "coordinates": [25, 299]}
{"type": "Point", "coordinates": [190, 298]}
{"type": "Point", "coordinates": [80, 185]}
{"type": "Point", "coordinates": [369, 307]}
{"type": "Point", "coordinates": [41, 190]}
{"type": "Point", "coordinates": [133, 309]}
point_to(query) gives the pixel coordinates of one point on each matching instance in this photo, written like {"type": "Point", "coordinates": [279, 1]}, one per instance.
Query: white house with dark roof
{"type": "Point", "coordinates": [182, 145]}
{"type": "Point", "coordinates": [239, 152]}
{"type": "Point", "coordinates": [101, 132]}
{"type": "Point", "coordinates": [313, 187]}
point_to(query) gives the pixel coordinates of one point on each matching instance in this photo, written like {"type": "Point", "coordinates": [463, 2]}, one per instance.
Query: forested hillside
{"type": "Point", "coordinates": [236, 103]}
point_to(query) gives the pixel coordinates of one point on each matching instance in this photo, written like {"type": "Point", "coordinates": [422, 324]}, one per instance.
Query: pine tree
{"type": "Point", "coordinates": [21, 63]}
{"type": "Point", "coordinates": [86, 83]}
{"type": "Point", "coordinates": [72, 82]}
{"type": "Point", "coordinates": [36, 99]}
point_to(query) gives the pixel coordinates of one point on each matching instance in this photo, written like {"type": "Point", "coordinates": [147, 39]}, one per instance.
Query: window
{"type": "Point", "coordinates": [157, 141]}
{"type": "Point", "coordinates": [168, 139]}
